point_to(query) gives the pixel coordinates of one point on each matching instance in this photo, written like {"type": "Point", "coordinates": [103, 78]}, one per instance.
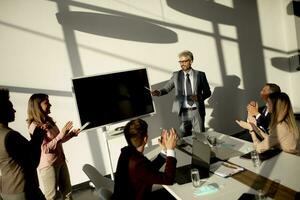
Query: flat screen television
{"type": "Point", "coordinates": [107, 99]}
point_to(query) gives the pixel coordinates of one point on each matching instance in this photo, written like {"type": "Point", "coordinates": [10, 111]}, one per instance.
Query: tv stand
{"type": "Point", "coordinates": [116, 132]}
{"type": "Point", "coordinates": [105, 130]}
{"type": "Point", "coordinates": [115, 141]}
{"type": "Point", "coordinates": [120, 128]}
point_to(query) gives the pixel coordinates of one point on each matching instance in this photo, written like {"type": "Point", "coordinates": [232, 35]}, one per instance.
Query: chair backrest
{"type": "Point", "coordinates": [104, 194]}
{"type": "Point", "coordinates": [97, 178]}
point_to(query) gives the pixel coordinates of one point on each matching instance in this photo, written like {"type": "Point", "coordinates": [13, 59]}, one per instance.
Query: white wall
{"type": "Point", "coordinates": [295, 77]}
{"type": "Point", "coordinates": [46, 43]}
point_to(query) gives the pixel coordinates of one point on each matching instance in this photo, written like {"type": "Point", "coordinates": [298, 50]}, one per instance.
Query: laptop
{"type": "Point", "coordinates": [200, 159]}
{"type": "Point", "coordinates": [223, 151]}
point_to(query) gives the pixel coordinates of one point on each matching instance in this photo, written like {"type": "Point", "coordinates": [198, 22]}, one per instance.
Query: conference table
{"type": "Point", "coordinates": [276, 178]}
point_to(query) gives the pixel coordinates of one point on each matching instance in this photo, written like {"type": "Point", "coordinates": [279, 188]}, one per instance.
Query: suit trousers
{"type": "Point", "coordinates": [55, 176]}
{"type": "Point", "coordinates": [20, 196]}
{"type": "Point", "coordinates": [191, 122]}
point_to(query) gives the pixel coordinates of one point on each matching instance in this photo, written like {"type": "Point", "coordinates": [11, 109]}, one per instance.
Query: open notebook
{"type": "Point", "coordinates": [225, 169]}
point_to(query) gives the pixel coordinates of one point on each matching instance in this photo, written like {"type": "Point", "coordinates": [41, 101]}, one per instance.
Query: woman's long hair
{"type": "Point", "coordinates": [282, 111]}
{"type": "Point", "coordinates": [35, 112]}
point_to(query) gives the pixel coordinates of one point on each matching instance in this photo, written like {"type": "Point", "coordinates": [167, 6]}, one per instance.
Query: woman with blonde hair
{"type": "Point", "coordinates": [284, 133]}
{"type": "Point", "coordinates": [52, 170]}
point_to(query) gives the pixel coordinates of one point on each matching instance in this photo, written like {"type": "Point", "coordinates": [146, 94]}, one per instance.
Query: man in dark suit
{"type": "Point", "coordinates": [136, 174]}
{"type": "Point", "coordinates": [19, 157]}
{"type": "Point", "coordinates": [191, 89]}
{"type": "Point", "coordinates": [262, 114]}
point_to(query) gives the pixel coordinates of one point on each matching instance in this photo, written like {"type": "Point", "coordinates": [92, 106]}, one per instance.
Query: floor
{"type": "Point", "coordinates": [85, 194]}
{"type": "Point", "coordinates": [84, 191]}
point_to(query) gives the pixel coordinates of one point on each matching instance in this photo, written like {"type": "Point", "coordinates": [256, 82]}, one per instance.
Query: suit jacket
{"type": "Point", "coordinates": [201, 89]}
{"type": "Point", "coordinates": [18, 161]}
{"type": "Point", "coordinates": [263, 120]}
{"type": "Point", "coordinates": [136, 174]}
{"type": "Point", "coordinates": [11, 171]}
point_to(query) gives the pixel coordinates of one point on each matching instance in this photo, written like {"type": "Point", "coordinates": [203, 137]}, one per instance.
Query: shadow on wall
{"type": "Point", "coordinates": [290, 64]}
{"type": "Point", "coordinates": [243, 17]}
{"type": "Point", "coordinates": [293, 8]}
{"type": "Point", "coordinates": [227, 103]}
{"type": "Point", "coordinates": [208, 10]}
{"type": "Point", "coordinates": [114, 26]}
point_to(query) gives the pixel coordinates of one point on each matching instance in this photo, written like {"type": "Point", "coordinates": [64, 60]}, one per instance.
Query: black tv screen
{"type": "Point", "coordinates": [111, 98]}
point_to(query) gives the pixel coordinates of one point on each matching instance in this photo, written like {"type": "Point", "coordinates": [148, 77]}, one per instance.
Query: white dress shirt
{"type": "Point", "coordinates": [191, 75]}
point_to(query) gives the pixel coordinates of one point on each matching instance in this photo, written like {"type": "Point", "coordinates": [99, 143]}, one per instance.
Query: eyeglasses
{"type": "Point", "coordinates": [184, 61]}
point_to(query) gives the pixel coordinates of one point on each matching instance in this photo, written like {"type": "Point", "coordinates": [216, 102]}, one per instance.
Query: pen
{"type": "Point", "coordinates": [229, 165]}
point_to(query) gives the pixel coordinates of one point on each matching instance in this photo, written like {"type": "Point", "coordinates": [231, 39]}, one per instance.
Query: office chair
{"type": "Point", "coordinates": [103, 185]}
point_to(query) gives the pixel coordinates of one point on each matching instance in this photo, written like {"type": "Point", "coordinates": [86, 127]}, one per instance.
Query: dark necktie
{"type": "Point", "coordinates": [265, 111]}
{"type": "Point", "coordinates": [189, 90]}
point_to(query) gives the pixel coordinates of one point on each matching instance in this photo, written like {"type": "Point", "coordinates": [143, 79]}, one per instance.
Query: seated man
{"type": "Point", "coordinates": [136, 174]}
{"type": "Point", "coordinates": [262, 114]}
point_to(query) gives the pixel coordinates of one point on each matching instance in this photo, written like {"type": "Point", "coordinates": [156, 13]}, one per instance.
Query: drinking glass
{"type": "Point", "coordinates": [260, 195]}
{"type": "Point", "coordinates": [212, 140]}
{"type": "Point", "coordinates": [255, 158]}
{"type": "Point", "coordinates": [195, 177]}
